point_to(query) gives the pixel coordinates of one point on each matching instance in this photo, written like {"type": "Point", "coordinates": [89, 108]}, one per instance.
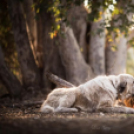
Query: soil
{"type": "Point", "coordinates": [27, 119]}
{"type": "Point", "coordinates": [30, 121]}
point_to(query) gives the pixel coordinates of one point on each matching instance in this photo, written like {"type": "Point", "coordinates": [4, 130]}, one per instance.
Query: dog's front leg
{"type": "Point", "coordinates": [125, 110]}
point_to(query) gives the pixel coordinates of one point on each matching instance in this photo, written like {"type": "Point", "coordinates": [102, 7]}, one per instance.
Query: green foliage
{"type": "Point", "coordinates": [59, 10]}
{"type": "Point", "coordinates": [131, 42]}
{"type": "Point", "coordinates": [120, 17]}
{"type": "Point", "coordinates": [118, 13]}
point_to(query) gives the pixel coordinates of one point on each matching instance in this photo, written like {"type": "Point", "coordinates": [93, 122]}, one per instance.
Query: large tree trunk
{"type": "Point", "coordinates": [30, 73]}
{"type": "Point", "coordinates": [47, 43]}
{"type": "Point", "coordinates": [40, 37]}
{"type": "Point", "coordinates": [34, 32]}
{"type": "Point", "coordinates": [97, 47]}
{"type": "Point", "coordinates": [116, 59]}
{"type": "Point", "coordinates": [77, 16]}
{"type": "Point", "coordinates": [52, 61]}
{"type": "Point", "coordinates": [77, 71]}
{"type": "Point", "coordinates": [32, 26]}
{"type": "Point", "coordinates": [9, 79]}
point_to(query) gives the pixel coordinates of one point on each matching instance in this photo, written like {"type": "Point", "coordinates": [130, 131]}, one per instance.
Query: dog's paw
{"type": "Point", "coordinates": [130, 111]}
{"type": "Point", "coordinates": [75, 110]}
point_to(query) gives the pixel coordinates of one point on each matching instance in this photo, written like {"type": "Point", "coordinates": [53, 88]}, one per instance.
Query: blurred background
{"type": "Point", "coordinates": [75, 39]}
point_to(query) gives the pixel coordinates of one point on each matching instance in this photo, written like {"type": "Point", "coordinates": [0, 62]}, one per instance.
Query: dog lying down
{"type": "Point", "coordinates": [96, 95]}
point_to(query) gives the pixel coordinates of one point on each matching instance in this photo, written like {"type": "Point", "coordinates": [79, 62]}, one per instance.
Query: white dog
{"type": "Point", "coordinates": [98, 94]}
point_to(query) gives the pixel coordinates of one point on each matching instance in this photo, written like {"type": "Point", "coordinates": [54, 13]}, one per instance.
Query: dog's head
{"type": "Point", "coordinates": [125, 86]}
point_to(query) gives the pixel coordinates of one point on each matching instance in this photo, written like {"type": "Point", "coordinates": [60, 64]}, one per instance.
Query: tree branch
{"type": "Point", "coordinates": [58, 81]}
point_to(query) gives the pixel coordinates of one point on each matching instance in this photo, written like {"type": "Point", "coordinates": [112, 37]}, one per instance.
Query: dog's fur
{"type": "Point", "coordinates": [98, 94]}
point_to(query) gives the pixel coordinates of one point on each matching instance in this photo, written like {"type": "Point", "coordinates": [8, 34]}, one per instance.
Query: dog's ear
{"type": "Point", "coordinates": [123, 84]}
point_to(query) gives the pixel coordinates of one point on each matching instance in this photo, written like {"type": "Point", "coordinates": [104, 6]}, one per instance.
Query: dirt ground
{"type": "Point", "coordinates": [30, 121]}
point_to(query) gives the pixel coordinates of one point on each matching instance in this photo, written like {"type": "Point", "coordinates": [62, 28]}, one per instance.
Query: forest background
{"type": "Point", "coordinates": [75, 39]}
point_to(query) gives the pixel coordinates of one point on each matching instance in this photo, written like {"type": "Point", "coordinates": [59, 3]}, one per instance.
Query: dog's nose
{"type": "Point", "coordinates": [132, 95]}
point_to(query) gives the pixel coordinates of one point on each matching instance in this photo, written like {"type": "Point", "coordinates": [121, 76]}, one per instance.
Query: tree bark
{"type": "Point", "coordinates": [97, 47]}
{"type": "Point", "coordinates": [77, 71]}
{"type": "Point", "coordinates": [116, 60]}
{"type": "Point", "coordinates": [30, 73]}
{"type": "Point", "coordinates": [47, 22]}
{"type": "Point", "coordinates": [9, 79]}
{"type": "Point", "coordinates": [52, 60]}
{"type": "Point", "coordinates": [77, 16]}
{"type": "Point", "coordinates": [40, 42]}
{"type": "Point", "coordinates": [35, 32]}
{"type": "Point", "coordinates": [32, 27]}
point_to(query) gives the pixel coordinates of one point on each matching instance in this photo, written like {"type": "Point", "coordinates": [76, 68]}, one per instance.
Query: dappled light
{"type": "Point", "coordinates": [66, 66]}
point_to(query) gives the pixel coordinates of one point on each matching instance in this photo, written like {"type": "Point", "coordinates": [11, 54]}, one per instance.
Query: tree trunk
{"type": "Point", "coordinates": [97, 47]}
{"type": "Point", "coordinates": [47, 21]}
{"type": "Point", "coordinates": [77, 16]}
{"type": "Point", "coordinates": [32, 26]}
{"type": "Point", "coordinates": [116, 59]}
{"type": "Point", "coordinates": [30, 73]}
{"type": "Point", "coordinates": [40, 37]}
{"type": "Point", "coordinates": [77, 71]}
{"type": "Point", "coordinates": [52, 61]}
{"type": "Point", "coordinates": [34, 30]}
{"type": "Point", "coordinates": [9, 79]}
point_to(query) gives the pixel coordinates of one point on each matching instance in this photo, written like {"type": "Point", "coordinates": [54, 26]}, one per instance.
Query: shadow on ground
{"type": "Point", "coordinates": [30, 121]}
